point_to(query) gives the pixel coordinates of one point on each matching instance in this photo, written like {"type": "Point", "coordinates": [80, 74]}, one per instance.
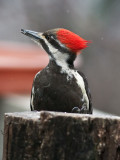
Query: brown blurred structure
{"type": "Point", "coordinates": [18, 66]}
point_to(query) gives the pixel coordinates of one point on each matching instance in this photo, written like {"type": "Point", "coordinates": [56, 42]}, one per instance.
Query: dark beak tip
{"type": "Point", "coordinates": [23, 31]}
{"type": "Point", "coordinates": [31, 34]}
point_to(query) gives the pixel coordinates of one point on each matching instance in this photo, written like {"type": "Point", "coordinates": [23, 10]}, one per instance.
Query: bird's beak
{"type": "Point", "coordinates": [32, 34]}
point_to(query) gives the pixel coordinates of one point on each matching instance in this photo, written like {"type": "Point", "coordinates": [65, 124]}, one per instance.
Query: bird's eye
{"type": "Point", "coordinates": [48, 37]}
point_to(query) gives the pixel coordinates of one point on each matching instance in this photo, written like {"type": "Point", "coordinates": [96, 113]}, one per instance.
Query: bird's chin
{"type": "Point", "coordinates": [37, 42]}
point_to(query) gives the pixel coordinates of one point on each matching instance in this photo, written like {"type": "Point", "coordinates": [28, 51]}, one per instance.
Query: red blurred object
{"type": "Point", "coordinates": [18, 66]}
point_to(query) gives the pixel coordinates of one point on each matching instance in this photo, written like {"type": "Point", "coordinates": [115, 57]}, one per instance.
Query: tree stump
{"type": "Point", "coordinates": [61, 136]}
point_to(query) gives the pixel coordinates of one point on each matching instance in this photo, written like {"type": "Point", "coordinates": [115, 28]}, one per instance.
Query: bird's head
{"type": "Point", "coordinates": [60, 44]}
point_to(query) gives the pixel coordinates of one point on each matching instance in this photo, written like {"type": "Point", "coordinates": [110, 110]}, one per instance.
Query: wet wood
{"type": "Point", "coordinates": [61, 136]}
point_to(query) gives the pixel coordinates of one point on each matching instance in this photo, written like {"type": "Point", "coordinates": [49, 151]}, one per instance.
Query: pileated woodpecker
{"type": "Point", "coordinates": [59, 86]}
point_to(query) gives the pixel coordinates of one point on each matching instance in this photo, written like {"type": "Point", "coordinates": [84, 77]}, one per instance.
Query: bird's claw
{"type": "Point", "coordinates": [82, 110]}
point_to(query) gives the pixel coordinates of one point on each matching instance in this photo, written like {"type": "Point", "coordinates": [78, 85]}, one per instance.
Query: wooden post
{"type": "Point", "coordinates": [61, 136]}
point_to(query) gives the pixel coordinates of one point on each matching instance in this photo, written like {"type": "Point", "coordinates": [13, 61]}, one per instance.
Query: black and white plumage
{"type": "Point", "coordinates": [59, 86]}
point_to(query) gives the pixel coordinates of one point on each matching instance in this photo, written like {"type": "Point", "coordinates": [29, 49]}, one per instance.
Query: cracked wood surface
{"type": "Point", "coordinates": [61, 136]}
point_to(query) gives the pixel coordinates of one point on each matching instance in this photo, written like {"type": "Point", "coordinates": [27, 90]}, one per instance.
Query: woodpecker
{"type": "Point", "coordinates": [59, 86]}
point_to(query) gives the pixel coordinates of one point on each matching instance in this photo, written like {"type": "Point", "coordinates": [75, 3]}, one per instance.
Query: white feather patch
{"type": "Point", "coordinates": [32, 96]}
{"type": "Point", "coordinates": [37, 74]}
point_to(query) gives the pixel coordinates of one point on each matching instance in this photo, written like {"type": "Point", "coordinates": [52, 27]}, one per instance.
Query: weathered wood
{"type": "Point", "coordinates": [61, 136]}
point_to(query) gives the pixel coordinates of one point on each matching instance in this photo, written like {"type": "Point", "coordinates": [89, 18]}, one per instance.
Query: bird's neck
{"type": "Point", "coordinates": [59, 67]}
{"type": "Point", "coordinates": [61, 63]}
{"type": "Point", "coordinates": [63, 60]}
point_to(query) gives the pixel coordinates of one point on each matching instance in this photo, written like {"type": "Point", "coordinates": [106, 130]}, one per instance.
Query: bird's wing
{"type": "Point", "coordinates": [40, 83]}
{"type": "Point", "coordinates": [31, 100]}
{"type": "Point", "coordinates": [87, 91]}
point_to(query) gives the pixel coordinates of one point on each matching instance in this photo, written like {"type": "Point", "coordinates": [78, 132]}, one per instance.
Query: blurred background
{"type": "Point", "coordinates": [21, 59]}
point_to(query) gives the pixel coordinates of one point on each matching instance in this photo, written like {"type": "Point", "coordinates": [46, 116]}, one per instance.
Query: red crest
{"type": "Point", "coordinates": [71, 40]}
